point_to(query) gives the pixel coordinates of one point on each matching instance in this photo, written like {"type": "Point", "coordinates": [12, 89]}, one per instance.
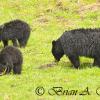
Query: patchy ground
{"type": "Point", "coordinates": [48, 20]}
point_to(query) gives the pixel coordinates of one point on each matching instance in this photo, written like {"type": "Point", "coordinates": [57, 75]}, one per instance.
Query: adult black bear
{"type": "Point", "coordinates": [15, 30]}
{"type": "Point", "coordinates": [11, 58]}
{"type": "Point", "coordinates": [78, 42]}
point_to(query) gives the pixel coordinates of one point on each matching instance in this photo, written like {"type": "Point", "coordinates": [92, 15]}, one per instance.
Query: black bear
{"type": "Point", "coordinates": [78, 42]}
{"type": "Point", "coordinates": [15, 30]}
{"type": "Point", "coordinates": [11, 58]}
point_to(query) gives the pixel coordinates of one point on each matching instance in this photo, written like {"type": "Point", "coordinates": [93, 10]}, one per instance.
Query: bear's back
{"type": "Point", "coordinates": [13, 53]}
{"type": "Point", "coordinates": [81, 41]}
{"type": "Point", "coordinates": [14, 30]}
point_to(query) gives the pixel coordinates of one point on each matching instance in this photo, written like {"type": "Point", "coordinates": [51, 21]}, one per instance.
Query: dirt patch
{"type": "Point", "coordinates": [43, 20]}
{"type": "Point", "coordinates": [47, 65]}
{"type": "Point", "coordinates": [64, 21]}
{"type": "Point", "coordinates": [91, 7]}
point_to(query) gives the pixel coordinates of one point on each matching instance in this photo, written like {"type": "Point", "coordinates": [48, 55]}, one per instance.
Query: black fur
{"type": "Point", "coordinates": [78, 42]}
{"type": "Point", "coordinates": [11, 58]}
{"type": "Point", "coordinates": [15, 30]}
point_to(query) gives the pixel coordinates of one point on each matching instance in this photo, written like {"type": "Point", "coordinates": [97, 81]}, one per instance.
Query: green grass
{"type": "Point", "coordinates": [48, 20]}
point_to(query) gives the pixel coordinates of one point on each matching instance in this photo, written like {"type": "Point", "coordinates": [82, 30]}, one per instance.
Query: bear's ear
{"type": "Point", "coordinates": [53, 42]}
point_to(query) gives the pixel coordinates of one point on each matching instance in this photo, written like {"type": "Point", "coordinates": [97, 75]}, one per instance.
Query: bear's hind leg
{"type": "Point", "coordinates": [75, 61]}
{"type": "Point", "coordinates": [5, 42]}
{"type": "Point", "coordinates": [22, 42]}
{"type": "Point", "coordinates": [17, 69]}
{"type": "Point", "coordinates": [15, 42]}
{"type": "Point", "coordinates": [96, 62]}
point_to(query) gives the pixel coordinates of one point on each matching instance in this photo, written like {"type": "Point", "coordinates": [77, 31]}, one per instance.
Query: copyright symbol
{"type": "Point", "coordinates": [40, 91]}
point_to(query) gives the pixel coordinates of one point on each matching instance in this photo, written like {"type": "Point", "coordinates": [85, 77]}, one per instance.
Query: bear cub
{"type": "Point", "coordinates": [11, 59]}
{"type": "Point", "coordinates": [16, 31]}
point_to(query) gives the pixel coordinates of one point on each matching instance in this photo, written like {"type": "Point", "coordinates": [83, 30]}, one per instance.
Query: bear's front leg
{"type": "Point", "coordinates": [96, 61]}
{"type": "Point", "coordinates": [14, 42]}
{"type": "Point", "coordinates": [17, 69]}
{"type": "Point", "coordinates": [5, 42]}
{"type": "Point", "coordinates": [75, 61]}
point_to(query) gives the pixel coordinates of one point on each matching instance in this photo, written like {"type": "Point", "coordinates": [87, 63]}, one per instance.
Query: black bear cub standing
{"type": "Point", "coordinates": [11, 58]}
{"type": "Point", "coordinates": [15, 30]}
{"type": "Point", "coordinates": [78, 42]}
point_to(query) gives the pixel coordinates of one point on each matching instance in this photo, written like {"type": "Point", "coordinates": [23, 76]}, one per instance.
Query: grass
{"type": "Point", "coordinates": [48, 20]}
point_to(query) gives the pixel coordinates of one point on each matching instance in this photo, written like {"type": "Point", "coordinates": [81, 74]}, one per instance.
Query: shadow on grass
{"type": "Point", "coordinates": [83, 65]}
{"type": "Point", "coordinates": [67, 65]}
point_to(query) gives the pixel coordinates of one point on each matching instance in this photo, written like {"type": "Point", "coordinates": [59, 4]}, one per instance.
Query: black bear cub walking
{"type": "Point", "coordinates": [15, 30]}
{"type": "Point", "coordinates": [11, 58]}
{"type": "Point", "coordinates": [78, 42]}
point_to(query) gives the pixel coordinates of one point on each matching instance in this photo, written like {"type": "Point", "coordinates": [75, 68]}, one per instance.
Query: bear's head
{"type": "Point", "coordinates": [5, 62]}
{"type": "Point", "coordinates": [57, 50]}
